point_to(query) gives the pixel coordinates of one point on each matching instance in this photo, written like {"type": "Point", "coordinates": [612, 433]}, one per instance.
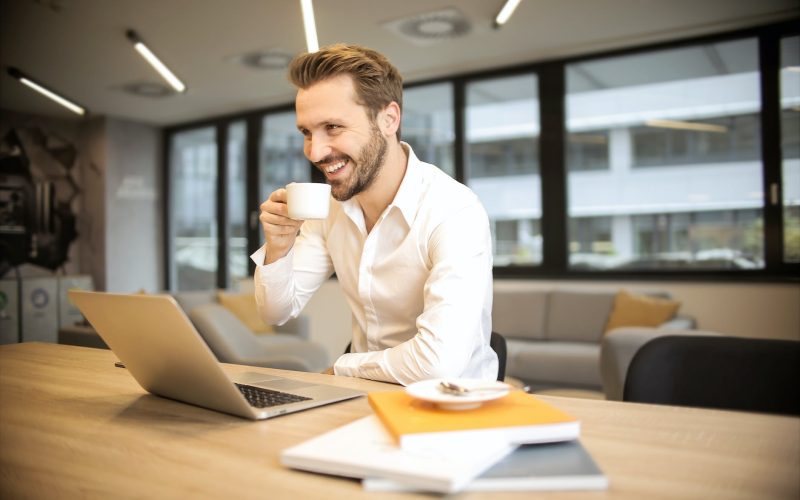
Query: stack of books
{"type": "Point", "coordinates": [517, 442]}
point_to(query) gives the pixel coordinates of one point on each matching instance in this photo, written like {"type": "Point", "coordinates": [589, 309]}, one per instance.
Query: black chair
{"type": "Point", "coordinates": [497, 342]}
{"type": "Point", "coordinates": [717, 372]}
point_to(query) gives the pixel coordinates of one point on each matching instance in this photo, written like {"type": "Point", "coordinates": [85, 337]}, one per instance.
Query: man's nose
{"type": "Point", "coordinates": [317, 148]}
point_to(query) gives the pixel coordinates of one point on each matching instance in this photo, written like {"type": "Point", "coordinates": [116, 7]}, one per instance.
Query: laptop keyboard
{"type": "Point", "coordinates": [263, 398]}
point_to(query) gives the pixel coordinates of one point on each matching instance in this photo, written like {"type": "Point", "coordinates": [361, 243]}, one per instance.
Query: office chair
{"type": "Point", "coordinates": [717, 372]}
{"type": "Point", "coordinates": [497, 342]}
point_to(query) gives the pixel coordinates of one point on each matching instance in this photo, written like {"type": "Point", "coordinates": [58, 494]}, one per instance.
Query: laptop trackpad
{"type": "Point", "coordinates": [271, 382]}
{"type": "Point", "coordinates": [253, 378]}
{"type": "Point", "coordinates": [283, 384]}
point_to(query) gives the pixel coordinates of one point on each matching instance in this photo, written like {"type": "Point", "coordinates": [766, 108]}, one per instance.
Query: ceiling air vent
{"type": "Point", "coordinates": [263, 59]}
{"type": "Point", "coordinates": [431, 27]}
{"type": "Point", "coordinates": [148, 89]}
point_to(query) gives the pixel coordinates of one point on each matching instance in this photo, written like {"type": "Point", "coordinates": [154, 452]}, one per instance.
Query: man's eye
{"type": "Point", "coordinates": [333, 126]}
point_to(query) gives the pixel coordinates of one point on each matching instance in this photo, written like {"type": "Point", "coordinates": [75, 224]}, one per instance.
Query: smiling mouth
{"type": "Point", "coordinates": [331, 166]}
{"type": "Point", "coordinates": [335, 167]}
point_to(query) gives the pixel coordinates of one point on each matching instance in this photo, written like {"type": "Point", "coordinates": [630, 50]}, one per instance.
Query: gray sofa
{"type": "Point", "coordinates": [289, 347]}
{"type": "Point", "coordinates": [554, 336]}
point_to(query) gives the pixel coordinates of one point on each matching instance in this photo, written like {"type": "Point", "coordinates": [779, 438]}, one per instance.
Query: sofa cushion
{"type": "Point", "coordinates": [517, 314]}
{"type": "Point", "coordinates": [191, 299]}
{"type": "Point", "coordinates": [551, 363]}
{"type": "Point", "coordinates": [578, 316]}
{"type": "Point", "coordinates": [640, 310]}
{"type": "Point", "coordinates": [244, 307]}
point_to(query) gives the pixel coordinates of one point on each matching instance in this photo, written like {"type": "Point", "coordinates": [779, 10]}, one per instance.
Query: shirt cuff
{"type": "Point", "coordinates": [370, 365]}
{"type": "Point", "coordinates": [276, 271]}
{"type": "Point", "coordinates": [259, 256]}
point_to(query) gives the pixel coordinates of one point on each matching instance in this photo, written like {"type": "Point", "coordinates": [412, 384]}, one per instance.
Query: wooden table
{"type": "Point", "coordinates": [73, 425]}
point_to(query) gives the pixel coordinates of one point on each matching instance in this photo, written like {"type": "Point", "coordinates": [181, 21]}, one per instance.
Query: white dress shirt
{"type": "Point", "coordinates": [419, 285]}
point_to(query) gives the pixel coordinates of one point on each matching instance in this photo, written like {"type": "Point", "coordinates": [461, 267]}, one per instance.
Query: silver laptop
{"type": "Point", "coordinates": [158, 344]}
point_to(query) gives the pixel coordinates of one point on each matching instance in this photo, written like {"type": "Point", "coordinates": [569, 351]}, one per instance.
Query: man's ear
{"type": "Point", "coordinates": [389, 119]}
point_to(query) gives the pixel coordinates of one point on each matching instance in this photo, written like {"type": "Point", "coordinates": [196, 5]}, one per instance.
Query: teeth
{"type": "Point", "coordinates": [336, 166]}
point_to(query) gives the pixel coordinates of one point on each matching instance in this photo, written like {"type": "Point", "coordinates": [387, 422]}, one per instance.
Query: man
{"type": "Point", "coordinates": [410, 246]}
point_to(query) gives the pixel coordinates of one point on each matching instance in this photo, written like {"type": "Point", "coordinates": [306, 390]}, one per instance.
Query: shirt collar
{"type": "Point", "coordinates": [407, 198]}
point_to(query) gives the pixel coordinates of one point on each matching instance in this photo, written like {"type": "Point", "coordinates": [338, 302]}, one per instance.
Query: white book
{"type": "Point", "coordinates": [364, 448]}
{"type": "Point", "coordinates": [535, 467]}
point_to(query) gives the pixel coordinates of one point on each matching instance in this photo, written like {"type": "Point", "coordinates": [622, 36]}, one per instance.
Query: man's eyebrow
{"type": "Point", "coordinates": [321, 123]}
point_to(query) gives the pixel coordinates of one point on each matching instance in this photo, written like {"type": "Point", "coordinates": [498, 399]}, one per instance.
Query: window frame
{"type": "Point", "coordinates": [551, 80]}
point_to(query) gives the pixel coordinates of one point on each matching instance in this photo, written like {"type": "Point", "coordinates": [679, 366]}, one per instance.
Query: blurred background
{"type": "Point", "coordinates": [611, 141]}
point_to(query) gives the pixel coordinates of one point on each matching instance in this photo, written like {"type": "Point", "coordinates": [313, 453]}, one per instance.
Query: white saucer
{"type": "Point", "coordinates": [428, 390]}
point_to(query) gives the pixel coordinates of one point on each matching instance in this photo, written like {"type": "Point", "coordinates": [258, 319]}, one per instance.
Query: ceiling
{"type": "Point", "coordinates": [79, 47]}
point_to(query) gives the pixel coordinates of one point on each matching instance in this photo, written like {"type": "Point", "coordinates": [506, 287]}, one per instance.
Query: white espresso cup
{"type": "Point", "coordinates": [308, 200]}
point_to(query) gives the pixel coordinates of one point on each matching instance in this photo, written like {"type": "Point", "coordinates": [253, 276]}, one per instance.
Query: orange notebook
{"type": "Point", "coordinates": [517, 418]}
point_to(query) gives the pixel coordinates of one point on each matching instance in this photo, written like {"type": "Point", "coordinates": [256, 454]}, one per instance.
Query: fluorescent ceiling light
{"type": "Point", "coordinates": [155, 62]}
{"type": "Point", "coordinates": [38, 87]}
{"type": "Point", "coordinates": [681, 125]}
{"type": "Point", "coordinates": [505, 13]}
{"type": "Point", "coordinates": [309, 25]}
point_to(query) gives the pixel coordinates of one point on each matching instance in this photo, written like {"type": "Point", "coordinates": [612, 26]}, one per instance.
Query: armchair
{"type": "Point", "coordinates": [232, 342]}
{"type": "Point", "coordinates": [288, 347]}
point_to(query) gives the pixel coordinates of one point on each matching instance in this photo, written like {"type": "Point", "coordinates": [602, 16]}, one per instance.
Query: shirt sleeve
{"type": "Point", "coordinates": [283, 287]}
{"type": "Point", "coordinates": [452, 328]}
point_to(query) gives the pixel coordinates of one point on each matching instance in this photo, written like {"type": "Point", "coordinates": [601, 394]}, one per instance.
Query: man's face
{"type": "Point", "coordinates": [340, 139]}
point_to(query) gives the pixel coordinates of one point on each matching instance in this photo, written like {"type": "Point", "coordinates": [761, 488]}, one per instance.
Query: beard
{"type": "Point", "coordinates": [366, 168]}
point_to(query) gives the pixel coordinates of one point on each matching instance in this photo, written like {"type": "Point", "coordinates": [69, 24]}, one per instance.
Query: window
{"type": "Point", "coordinates": [790, 146]}
{"type": "Point", "coordinates": [193, 169]}
{"type": "Point", "coordinates": [502, 163]}
{"type": "Point", "coordinates": [692, 112]}
{"type": "Point", "coordinates": [237, 202]}
{"type": "Point", "coordinates": [697, 240]}
{"type": "Point", "coordinates": [710, 140]}
{"type": "Point", "coordinates": [428, 124]}
{"type": "Point", "coordinates": [662, 171]}
{"type": "Point", "coordinates": [506, 158]}
{"type": "Point", "coordinates": [591, 236]}
{"type": "Point", "coordinates": [587, 150]}
{"type": "Point", "coordinates": [281, 160]}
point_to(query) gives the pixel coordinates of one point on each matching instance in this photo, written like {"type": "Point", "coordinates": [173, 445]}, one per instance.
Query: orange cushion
{"type": "Point", "coordinates": [640, 310]}
{"type": "Point", "coordinates": [243, 306]}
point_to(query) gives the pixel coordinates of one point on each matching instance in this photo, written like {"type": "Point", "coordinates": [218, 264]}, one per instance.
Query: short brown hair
{"type": "Point", "coordinates": [376, 80]}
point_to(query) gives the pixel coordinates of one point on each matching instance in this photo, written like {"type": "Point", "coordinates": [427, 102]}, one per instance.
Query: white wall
{"type": "Point", "coordinates": [133, 205]}
{"type": "Point", "coordinates": [91, 210]}
{"type": "Point", "coordinates": [743, 310]}
{"type": "Point", "coordinates": [118, 208]}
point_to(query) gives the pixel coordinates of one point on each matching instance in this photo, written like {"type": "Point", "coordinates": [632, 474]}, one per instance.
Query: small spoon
{"type": "Point", "coordinates": [460, 390]}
